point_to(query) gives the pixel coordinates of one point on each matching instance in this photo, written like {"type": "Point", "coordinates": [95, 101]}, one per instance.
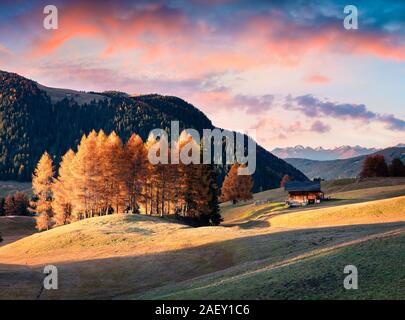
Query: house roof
{"type": "Point", "coordinates": [303, 186]}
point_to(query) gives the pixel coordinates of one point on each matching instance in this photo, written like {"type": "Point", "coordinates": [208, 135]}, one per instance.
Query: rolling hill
{"type": "Point", "coordinates": [143, 257]}
{"type": "Point", "coordinates": [316, 275]}
{"type": "Point", "coordinates": [35, 118]}
{"type": "Point", "coordinates": [343, 192]}
{"type": "Point", "coordinates": [339, 169]}
{"type": "Point", "coordinates": [15, 228]}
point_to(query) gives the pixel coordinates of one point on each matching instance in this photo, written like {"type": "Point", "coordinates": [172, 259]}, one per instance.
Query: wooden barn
{"type": "Point", "coordinates": [302, 193]}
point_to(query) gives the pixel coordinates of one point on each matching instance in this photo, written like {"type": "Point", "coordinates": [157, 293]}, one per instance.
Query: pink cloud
{"type": "Point", "coordinates": [317, 79]}
{"type": "Point", "coordinates": [169, 42]}
{"type": "Point", "coordinates": [4, 50]}
{"type": "Point", "coordinates": [222, 98]}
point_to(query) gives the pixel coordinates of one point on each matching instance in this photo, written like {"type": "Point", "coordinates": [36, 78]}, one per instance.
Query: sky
{"type": "Point", "coordinates": [287, 69]}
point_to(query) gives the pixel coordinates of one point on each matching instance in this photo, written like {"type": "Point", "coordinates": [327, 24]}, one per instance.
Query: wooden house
{"type": "Point", "coordinates": [302, 193]}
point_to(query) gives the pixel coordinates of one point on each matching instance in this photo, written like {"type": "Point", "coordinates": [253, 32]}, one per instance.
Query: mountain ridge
{"type": "Point", "coordinates": [320, 153]}
{"type": "Point", "coordinates": [34, 119]}
{"type": "Point", "coordinates": [341, 168]}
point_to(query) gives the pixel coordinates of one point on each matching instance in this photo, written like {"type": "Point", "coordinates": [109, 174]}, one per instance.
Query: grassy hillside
{"type": "Point", "coordinates": [15, 228]}
{"type": "Point", "coordinates": [387, 210]}
{"type": "Point", "coordinates": [316, 276]}
{"type": "Point", "coordinates": [264, 253]}
{"type": "Point", "coordinates": [121, 256]}
{"type": "Point", "coordinates": [346, 191]}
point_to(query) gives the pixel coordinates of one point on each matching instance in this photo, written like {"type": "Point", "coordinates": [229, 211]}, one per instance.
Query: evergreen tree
{"type": "Point", "coordinates": [374, 166]}
{"type": "Point", "coordinates": [188, 176]}
{"type": "Point", "coordinates": [207, 196]}
{"type": "Point", "coordinates": [397, 168]}
{"type": "Point", "coordinates": [21, 203]}
{"type": "Point", "coordinates": [9, 206]}
{"type": "Point", "coordinates": [2, 210]}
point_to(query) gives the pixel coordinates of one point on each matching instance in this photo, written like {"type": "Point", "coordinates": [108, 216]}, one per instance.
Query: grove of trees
{"type": "Point", "coordinates": [396, 168]}
{"type": "Point", "coordinates": [16, 204]}
{"type": "Point", "coordinates": [376, 166]}
{"type": "Point", "coordinates": [106, 176]}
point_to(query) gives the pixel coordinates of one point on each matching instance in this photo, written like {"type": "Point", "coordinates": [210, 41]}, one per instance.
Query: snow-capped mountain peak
{"type": "Point", "coordinates": [320, 153]}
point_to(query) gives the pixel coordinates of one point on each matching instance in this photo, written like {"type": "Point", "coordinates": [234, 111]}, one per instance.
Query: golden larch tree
{"type": "Point", "coordinates": [236, 187]}
{"type": "Point", "coordinates": [42, 188]}
{"type": "Point", "coordinates": [82, 174]}
{"type": "Point", "coordinates": [116, 169]}
{"type": "Point", "coordinates": [138, 171]}
{"type": "Point", "coordinates": [284, 180]}
{"type": "Point", "coordinates": [63, 188]}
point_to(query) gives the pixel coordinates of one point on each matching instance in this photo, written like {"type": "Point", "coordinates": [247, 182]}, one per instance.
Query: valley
{"type": "Point", "coordinates": [342, 168]}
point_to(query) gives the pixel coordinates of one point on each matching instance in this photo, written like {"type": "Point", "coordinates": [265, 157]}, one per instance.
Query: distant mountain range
{"type": "Point", "coordinates": [343, 152]}
{"type": "Point", "coordinates": [35, 118]}
{"type": "Point", "coordinates": [342, 168]}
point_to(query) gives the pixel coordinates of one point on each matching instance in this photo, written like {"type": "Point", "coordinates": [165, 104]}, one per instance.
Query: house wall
{"type": "Point", "coordinates": [303, 197]}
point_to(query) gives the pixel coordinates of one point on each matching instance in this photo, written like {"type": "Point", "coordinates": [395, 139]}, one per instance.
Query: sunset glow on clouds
{"type": "Point", "coordinates": [287, 68]}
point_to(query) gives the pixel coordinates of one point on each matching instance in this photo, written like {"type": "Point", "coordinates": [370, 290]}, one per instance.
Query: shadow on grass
{"type": "Point", "coordinates": [249, 224]}
{"type": "Point", "coordinates": [134, 275]}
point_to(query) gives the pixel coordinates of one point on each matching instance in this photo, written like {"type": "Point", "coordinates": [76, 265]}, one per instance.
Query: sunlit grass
{"type": "Point", "coordinates": [121, 256]}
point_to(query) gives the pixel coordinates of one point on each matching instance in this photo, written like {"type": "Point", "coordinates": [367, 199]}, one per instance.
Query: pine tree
{"type": "Point", "coordinates": [374, 166]}
{"type": "Point", "coordinates": [21, 203]}
{"type": "Point", "coordinates": [2, 210]}
{"type": "Point", "coordinates": [9, 206]}
{"type": "Point", "coordinates": [188, 177]}
{"type": "Point", "coordinates": [42, 187]}
{"type": "Point", "coordinates": [397, 168]}
{"type": "Point", "coordinates": [206, 196]}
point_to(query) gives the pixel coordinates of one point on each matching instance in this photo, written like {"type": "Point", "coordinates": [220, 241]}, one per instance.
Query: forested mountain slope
{"type": "Point", "coordinates": [34, 118]}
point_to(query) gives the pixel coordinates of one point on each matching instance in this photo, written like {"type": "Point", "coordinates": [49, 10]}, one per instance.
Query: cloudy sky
{"type": "Point", "coordinates": [288, 69]}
